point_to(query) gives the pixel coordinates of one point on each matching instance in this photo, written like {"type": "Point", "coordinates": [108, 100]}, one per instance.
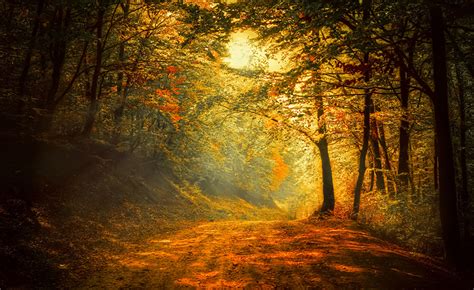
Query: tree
{"type": "Point", "coordinates": [31, 46]}
{"type": "Point", "coordinates": [368, 104]}
{"type": "Point", "coordinates": [404, 139]}
{"type": "Point", "coordinates": [447, 183]}
{"type": "Point", "coordinates": [322, 144]}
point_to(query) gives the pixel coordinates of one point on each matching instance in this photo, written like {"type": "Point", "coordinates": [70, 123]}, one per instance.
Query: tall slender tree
{"type": "Point", "coordinates": [447, 179]}
{"type": "Point", "coordinates": [368, 103]}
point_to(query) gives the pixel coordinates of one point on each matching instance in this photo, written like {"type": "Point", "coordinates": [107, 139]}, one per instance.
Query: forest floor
{"type": "Point", "coordinates": [321, 254]}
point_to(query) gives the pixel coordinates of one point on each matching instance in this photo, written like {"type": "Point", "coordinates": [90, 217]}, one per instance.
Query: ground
{"type": "Point", "coordinates": [326, 254]}
{"type": "Point", "coordinates": [72, 219]}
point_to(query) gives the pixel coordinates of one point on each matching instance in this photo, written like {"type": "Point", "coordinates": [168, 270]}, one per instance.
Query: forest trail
{"type": "Point", "coordinates": [268, 254]}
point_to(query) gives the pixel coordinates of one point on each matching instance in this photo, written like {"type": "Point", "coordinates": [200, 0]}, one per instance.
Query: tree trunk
{"type": "Point", "coordinates": [372, 174]}
{"type": "Point", "coordinates": [29, 52]}
{"type": "Point", "coordinates": [118, 115]}
{"type": "Point", "coordinates": [366, 135]}
{"type": "Point", "coordinates": [391, 188]}
{"type": "Point", "coordinates": [122, 91]}
{"type": "Point", "coordinates": [374, 140]}
{"type": "Point", "coordinates": [404, 136]}
{"type": "Point", "coordinates": [94, 89]}
{"type": "Point", "coordinates": [328, 186]}
{"type": "Point", "coordinates": [464, 194]}
{"type": "Point", "coordinates": [435, 164]}
{"type": "Point", "coordinates": [363, 154]}
{"type": "Point", "coordinates": [90, 117]}
{"type": "Point", "coordinates": [447, 184]}
{"type": "Point", "coordinates": [59, 52]}
{"type": "Point", "coordinates": [61, 22]}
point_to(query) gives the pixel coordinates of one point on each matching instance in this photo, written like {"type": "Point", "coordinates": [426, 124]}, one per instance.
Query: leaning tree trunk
{"type": "Point", "coordinates": [447, 179]}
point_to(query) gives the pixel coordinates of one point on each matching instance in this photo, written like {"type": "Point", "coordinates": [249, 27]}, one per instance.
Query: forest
{"type": "Point", "coordinates": [236, 144]}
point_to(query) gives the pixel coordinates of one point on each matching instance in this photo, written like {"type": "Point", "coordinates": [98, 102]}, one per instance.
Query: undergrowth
{"type": "Point", "coordinates": [414, 224]}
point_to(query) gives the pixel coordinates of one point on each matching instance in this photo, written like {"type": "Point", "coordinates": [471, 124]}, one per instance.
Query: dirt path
{"type": "Point", "coordinates": [265, 255]}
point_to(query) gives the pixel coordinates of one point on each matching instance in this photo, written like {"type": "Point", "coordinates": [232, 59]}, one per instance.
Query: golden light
{"type": "Point", "coordinates": [244, 53]}
{"type": "Point", "coordinates": [241, 50]}
{"type": "Point", "coordinates": [277, 63]}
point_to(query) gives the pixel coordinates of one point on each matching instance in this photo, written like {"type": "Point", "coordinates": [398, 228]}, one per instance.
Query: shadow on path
{"type": "Point", "coordinates": [265, 255]}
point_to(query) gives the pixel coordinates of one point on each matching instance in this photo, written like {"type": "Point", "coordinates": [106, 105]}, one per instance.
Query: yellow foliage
{"type": "Point", "coordinates": [280, 170]}
{"type": "Point", "coordinates": [270, 124]}
{"type": "Point", "coordinates": [206, 4]}
{"type": "Point", "coordinates": [217, 153]}
{"type": "Point", "coordinates": [273, 92]}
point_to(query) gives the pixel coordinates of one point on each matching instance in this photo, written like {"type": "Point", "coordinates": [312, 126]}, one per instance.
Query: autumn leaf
{"type": "Point", "coordinates": [175, 91]}
{"type": "Point", "coordinates": [273, 92]}
{"type": "Point", "coordinates": [180, 80]}
{"type": "Point", "coordinates": [176, 118]}
{"type": "Point", "coordinates": [164, 93]}
{"type": "Point", "coordinates": [170, 108]}
{"type": "Point", "coordinates": [171, 69]}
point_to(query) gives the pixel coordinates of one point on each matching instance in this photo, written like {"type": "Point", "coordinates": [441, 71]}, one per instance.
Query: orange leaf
{"type": "Point", "coordinates": [170, 108]}
{"type": "Point", "coordinates": [273, 92]}
{"type": "Point", "coordinates": [176, 118]}
{"type": "Point", "coordinates": [171, 69]}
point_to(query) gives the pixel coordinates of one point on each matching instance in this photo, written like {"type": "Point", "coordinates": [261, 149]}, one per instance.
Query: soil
{"type": "Point", "coordinates": [318, 254]}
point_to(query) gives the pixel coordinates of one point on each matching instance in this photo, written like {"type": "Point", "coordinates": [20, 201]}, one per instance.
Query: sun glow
{"type": "Point", "coordinates": [241, 51]}
{"type": "Point", "coordinates": [244, 53]}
